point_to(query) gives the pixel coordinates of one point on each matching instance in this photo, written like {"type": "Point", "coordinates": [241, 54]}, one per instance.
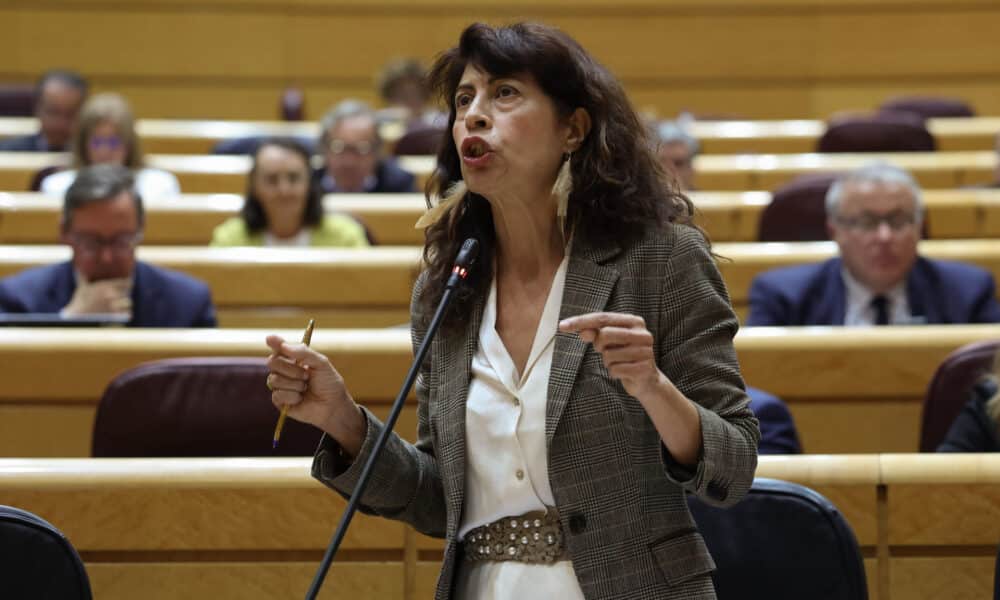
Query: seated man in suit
{"type": "Point", "coordinates": [58, 98]}
{"type": "Point", "coordinates": [777, 429]}
{"type": "Point", "coordinates": [352, 161]}
{"type": "Point", "coordinates": [874, 214]}
{"type": "Point", "coordinates": [102, 222]}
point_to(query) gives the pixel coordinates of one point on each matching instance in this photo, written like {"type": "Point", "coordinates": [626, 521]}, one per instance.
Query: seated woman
{"type": "Point", "coordinates": [284, 206]}
{"type": "Point", "coordinates": [106, 135]}
{"type": "Point", "coordinates": [977, 427]}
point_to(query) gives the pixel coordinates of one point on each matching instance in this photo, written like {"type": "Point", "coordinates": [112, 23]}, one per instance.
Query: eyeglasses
{"type": "Point", "coordinates": [91, 245]}
{"type": "Point", "coordinates": [359, 148]}
{"type": "Point", "coordinates": [868, 222]}
{"type": "Point", "coordinates": [111, 142]}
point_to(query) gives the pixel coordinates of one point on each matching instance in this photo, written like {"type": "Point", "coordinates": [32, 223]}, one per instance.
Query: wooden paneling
{"type": "Point", "coordinates": [767, 59]}
{"type": "Point", "coordinates": [255, 528]}
{"type": "Point", "coordinates": [849, 390]}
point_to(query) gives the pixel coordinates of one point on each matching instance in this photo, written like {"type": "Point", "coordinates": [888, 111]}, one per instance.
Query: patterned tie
{"type": "Point", "coordinates": [881, 306]}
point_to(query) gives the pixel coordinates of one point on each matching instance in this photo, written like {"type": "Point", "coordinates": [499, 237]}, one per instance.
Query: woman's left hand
{"type": "Point", "coordinates": [626, 347]}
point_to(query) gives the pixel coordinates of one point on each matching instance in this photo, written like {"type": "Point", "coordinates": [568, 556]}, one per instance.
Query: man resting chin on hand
{"type": "Point", "coordinates": [102, 222]}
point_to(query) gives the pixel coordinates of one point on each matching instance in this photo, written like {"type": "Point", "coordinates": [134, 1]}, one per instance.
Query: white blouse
{"type": "Point", "coordinates": [506, 458]}
{"type": "Point", "coordinates": [151, 183]}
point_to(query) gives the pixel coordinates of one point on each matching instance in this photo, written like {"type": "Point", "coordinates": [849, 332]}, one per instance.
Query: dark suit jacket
{"type": "Point", "coordinates": [389, 179]}
{"type": "Point", "coordinates": [974, 430]}
{"type": "Point", "coordinates": [619, 494]}
{"type": "Point", "coordinates": [938, 292]}
{"type": "Point", "coordinates": [160, 297]}
{"type": "Point", "coordinates": [777, 429]}
{"type": "Point", "coordinates": [27, 143]}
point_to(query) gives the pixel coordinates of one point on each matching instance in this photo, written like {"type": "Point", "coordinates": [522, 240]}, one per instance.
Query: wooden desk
{"type": "Point", "coordinates": [185, 136]}
{"type": "Point", "coordinates": [927, 525]}
{"type": "Point", "coordinates": [28, 218]}
{"type": "Point", "coordinates": [32, 218]}
{"type": "Point", "coordinates": [794, 136]}
{"type": "Point", "coordinates": [197, 173]}
{"type": "Point", "coordinates": [270, 287]}
{"type": "Point", "coordinates": [849, 390]}
{"type": "Point", "coordinates": [226, 174]}
{"type": "Point", "coordinates": [266, 287]}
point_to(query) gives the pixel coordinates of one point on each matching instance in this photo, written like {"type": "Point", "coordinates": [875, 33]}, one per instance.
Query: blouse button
{"type": "Point", "coordinates": [519, 474]}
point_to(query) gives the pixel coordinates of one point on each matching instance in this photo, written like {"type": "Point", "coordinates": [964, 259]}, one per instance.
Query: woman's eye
{"type": "Point", "coordinates": [505, 91]}
{"type": "Point", "coordinates": [463, 100]}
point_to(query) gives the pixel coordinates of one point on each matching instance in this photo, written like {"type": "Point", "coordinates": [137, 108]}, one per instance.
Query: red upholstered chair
{"type": "Point", "coordinates": [949, 389]}
{"type": "Point", "coordinates": [883, 132]}
{"type": "Point", "coordinates": [927, 107]}
{"type": "Point", "coordinates": [419, 141]}
{"type": "Point", "coordinates": [195, 407]}
{"type": "Point", "coordinates": [17, 100]}
{"type": "Point", "coordinates": [293, 104]}
{"type": "Point", "coordinates": [797, 212]}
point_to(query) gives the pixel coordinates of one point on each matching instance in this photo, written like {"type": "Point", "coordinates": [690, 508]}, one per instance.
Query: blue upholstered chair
{"type": "Point", "coordinates": [783, 541]}
{"type": "Point", "coordinates": [38, 562]}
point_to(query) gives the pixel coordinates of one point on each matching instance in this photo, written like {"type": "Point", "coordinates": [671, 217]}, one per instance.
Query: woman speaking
{"type": "Point", "coordinates": [586, 377]}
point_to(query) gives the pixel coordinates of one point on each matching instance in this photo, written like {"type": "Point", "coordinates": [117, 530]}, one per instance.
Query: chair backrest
{"type": "Point", "coordinates": [419, 141]}
{"type": "Point", "coordinates": [35, 184]}
{"type": "Point", "coordinates": [797, 212]}
{"type": "Point", "coordinates": [195, 407]}
{"type": "Point", "coordinates": [292, 104]}
{"type": "Point", "coordinates": [38, 561]}
{"type": "Point", "coordinates": [782, 541]}
{"type": "Point", "coordinates": [883, 132]}
{"type": "Point", "coordinates": [928, 107]}
{"type": "Point", "coordinates": [249, 144]}
{"type": "Point", "coordinates": [17, 100]}
{"type": "Point", "coordinates": [949, 389]}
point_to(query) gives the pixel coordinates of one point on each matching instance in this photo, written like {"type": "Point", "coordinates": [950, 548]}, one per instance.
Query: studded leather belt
{"type": "Point", "coordinates": [534, 537]}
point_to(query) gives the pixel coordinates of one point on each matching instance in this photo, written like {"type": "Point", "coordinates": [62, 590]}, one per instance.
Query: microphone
{"type": "Point", "coordinates": [464, 262]}
{"type": "Point", "coordinates": [467, 255]}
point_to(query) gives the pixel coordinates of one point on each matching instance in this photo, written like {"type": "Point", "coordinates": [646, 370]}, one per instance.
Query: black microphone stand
{"type": "Point", "coordinates": [463, 264]}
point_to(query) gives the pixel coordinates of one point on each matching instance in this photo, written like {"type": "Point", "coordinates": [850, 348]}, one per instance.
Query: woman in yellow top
{"type": "Point", "coordinates": [284, 206]}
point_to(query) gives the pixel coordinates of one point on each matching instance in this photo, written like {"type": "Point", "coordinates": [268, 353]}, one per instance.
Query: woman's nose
{"type": "Point", "coordinates": [476, 117]}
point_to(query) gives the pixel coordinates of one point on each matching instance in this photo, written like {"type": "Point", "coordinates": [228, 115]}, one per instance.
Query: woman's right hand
{"type": "Point", "coordinates": [306, 382]}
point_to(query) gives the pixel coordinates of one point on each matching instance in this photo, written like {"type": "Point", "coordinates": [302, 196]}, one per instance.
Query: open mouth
{"type": "Point", "coordinates": [474, 147]}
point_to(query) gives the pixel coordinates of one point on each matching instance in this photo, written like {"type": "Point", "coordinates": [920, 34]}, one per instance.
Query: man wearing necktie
{"type": "Point", "coordinates": [875, 215]}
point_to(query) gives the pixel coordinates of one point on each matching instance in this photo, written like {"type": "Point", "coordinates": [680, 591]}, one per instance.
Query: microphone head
{"type": "Point", "coordinates": [467, 253]}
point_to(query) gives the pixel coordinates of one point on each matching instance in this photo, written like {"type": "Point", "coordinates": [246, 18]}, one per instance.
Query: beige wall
{"type": "Point", "coordinates": [770, 58]}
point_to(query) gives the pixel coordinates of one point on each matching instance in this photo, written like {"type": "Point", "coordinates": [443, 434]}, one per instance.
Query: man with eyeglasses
{"type": "Point", "coordinates": [352, 161]}
{"type": "Point", "coordinates": [875, 215]}
{"type": "Point", "coordinates": [102, 222]}
{"type": "Point", "coordinates": [58, 98]}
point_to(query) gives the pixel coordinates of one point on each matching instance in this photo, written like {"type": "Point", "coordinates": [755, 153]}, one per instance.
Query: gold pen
{"type": "Point", "coordinates": [306, 338]}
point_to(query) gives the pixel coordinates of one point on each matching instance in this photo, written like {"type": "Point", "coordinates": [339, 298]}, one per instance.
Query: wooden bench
{"type": "Point", "coordinates": [927, 525]}
{"type": "Point", "coordinates": [185, 136]}
{"type": "Point", "coordinates": [849, 390]}
{"type": "Point", "coordinates": [226, 174]}
{"type": "Point", "coordinates": [270, 287]}
{"type": "Point", "coordinates": [29, 218]}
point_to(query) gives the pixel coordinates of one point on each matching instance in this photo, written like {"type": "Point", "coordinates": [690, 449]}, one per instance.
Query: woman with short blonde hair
{"type": "Point", "coordinates": [106, 135]}
{"type": "Point", "coordinates": [977, 427]}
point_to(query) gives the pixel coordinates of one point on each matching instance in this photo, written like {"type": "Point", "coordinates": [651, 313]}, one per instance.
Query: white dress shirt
{"type": "Point", "coordinates": [861, 313]}
{"type": "Point", "coordinates": [151, 183]}
{"type": "Point", "coordinates": [506, 457]}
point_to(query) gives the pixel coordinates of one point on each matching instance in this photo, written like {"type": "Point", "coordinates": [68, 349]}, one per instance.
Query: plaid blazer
{"type": "Point", "coordinates": [620, 495]}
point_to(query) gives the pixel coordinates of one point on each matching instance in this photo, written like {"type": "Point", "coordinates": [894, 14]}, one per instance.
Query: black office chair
{"type": "Point", "coordinates": [37, 562]}
{"type": "Point", "coordinates": [782, 541]}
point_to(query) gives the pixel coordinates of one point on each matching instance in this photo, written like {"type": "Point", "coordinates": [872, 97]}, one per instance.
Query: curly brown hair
{"type": "Point", "coordinates": [619, 188]}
